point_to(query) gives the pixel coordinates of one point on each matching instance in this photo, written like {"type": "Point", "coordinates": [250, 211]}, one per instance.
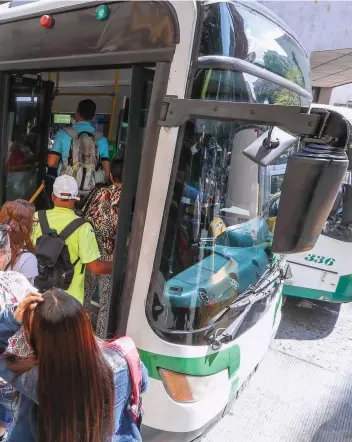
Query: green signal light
{"type": "Point", "coordinates": [102, 13]}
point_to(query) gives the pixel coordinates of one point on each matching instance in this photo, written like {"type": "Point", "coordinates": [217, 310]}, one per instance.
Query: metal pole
{"type": "Point", "coordinates": [56, 89]}
{"type": "Point", "coordinates": [57, 80]}
{"type": "Point", "coordinates": [113, 106]}
{"type": "Point", "coordinates": [50, 78]}
{"type": "Point", "coordinates": [37, 193]}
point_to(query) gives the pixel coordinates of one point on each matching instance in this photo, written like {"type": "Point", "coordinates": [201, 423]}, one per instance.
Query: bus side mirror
{"type": "Point", "coordinates": [312, 180]}
{"type": "Point", "coordinates": [269, 146]}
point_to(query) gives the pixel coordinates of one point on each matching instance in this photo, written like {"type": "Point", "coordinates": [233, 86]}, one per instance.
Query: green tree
{"type": "Point", "coordinates": [287, 97]}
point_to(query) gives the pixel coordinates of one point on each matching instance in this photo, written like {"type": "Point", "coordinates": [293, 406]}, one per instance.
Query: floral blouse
{"type": "Point", "coordinates": [101, 209]}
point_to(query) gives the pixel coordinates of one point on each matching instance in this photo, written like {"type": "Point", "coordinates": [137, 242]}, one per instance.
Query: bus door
{"type": "Point", "coordinates": [121, 133]}
{"type": "Point", "coordinates": [135, 123]}
{"type": "Point", "coordinates": [29, 118]}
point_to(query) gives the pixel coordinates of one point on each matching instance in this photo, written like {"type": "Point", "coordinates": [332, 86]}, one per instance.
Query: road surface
{"type": "Point", "coordinates": [302, 391]}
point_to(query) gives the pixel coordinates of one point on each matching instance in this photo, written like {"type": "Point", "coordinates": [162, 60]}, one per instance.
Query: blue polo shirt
{"type": "Point", "coordinates": [63, 140]}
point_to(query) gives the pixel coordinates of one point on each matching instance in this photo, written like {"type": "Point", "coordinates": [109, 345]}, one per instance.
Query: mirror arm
{"type": "Point", "coordinates": [268, 143]}
{"type": "Point", "coordinates": [176, 111]}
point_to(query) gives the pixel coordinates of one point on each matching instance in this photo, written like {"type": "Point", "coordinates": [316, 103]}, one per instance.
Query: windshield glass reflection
{"type": "Point", "coordinates": [248, 35]}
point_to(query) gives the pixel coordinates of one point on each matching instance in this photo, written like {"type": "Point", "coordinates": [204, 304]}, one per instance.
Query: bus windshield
{"type": "Point", "coordinates": [218, 235]}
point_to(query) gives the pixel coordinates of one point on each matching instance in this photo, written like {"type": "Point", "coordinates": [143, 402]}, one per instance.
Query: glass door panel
{"type": "Point", "coordinates": [28, 126]}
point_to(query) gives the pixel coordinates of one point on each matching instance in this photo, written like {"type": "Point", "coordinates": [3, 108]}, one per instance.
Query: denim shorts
{"type": "Point", "coordinates": [7, 405]}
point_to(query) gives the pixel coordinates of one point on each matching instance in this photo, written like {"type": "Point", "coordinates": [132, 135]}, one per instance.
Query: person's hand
{"type": "Point", "coordinates": [31, 300]}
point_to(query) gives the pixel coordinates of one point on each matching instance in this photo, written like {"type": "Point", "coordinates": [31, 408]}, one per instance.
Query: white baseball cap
{"type": "Point", "coordinates": [66, 188]}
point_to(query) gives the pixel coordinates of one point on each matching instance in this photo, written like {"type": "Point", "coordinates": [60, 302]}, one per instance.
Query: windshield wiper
{"type": "Point", "coordinates": [238, 305]}
{"type": "Point", "coordinates": [230, 332]}
{"type": "Point", "coordinates": [243, 305]}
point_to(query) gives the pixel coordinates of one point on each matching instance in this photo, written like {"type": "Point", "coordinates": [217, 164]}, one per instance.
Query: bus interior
{"type": "Point", "coordinates": [41, 103]}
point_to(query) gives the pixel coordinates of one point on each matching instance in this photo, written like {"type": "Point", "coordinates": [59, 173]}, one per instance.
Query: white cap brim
{"type": "Point", "coordinates": [66, 197]}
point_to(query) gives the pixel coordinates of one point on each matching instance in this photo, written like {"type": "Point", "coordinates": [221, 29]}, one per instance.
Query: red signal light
{"type": "Point", "coordinates": [47, 21]}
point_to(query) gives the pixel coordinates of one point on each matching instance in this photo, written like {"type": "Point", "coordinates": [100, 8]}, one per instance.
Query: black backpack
{"type": "Point", "coordinates": [54, 265]}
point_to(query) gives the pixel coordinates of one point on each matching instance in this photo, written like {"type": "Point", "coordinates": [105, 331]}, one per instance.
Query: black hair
{"type": "Point", "coordinates": [4, 236]}
{"type": "Point", "coordinates": [86, 109]}
{"type": "Point", "coordinates": [116, 168]}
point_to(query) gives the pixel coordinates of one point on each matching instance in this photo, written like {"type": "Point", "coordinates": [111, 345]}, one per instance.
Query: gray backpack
{"type": "Point", "coordinates": [83, 161]}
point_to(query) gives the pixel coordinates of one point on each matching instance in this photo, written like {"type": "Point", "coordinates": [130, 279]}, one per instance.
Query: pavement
{"type": "Point", "coordinates": [302, 391]}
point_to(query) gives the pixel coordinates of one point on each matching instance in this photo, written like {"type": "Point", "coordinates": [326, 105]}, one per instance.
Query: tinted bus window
{"type": "Point", "coordinates": [235, 31]}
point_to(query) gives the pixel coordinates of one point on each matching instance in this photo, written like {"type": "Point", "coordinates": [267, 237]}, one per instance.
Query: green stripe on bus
{"type": "Point", "coordinates": [278, 303]}
{"type": "Point", "coordinates": [304, 292]}
{"type": "Point", "coordinates": [201, 366]}
{"type": "Point", "coordinates": [343, 291]}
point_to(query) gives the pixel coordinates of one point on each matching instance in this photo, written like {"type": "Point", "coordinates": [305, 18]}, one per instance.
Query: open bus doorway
{"type": "Point", "coordinates": [41, 104]}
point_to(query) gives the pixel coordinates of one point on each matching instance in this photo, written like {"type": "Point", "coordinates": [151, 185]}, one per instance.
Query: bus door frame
{"type": "Point", "coordinates": [5, 90]}
{"type": "Point", "coordinates": [117, 311]}
{"type": "Point", "coordinates": [46, 91]}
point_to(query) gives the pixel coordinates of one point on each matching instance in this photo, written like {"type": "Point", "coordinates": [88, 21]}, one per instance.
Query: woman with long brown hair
{"type": "Point", "coordinates": [73, 388]}
{"type": "Point", "coordinates": [19, 216]}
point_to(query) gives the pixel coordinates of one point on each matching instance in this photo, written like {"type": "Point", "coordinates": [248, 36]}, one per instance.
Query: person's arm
{"type": "Point", "coordinates": [106, 167]}
{"type": "Point", "coordinates": [54, 160]}
{"type": "Point", "coordinates": [10, 324]}
{"type": "Point", "coordinates": [55, 155]}
{"type": "Point", "coordinates": [8, 327]}
{"type": "Point", "coordinates": [99, 267]}
{"type": "Point", "coordinates": [104, 155]}
{"type": "Point", "coordinates": [123, 390]}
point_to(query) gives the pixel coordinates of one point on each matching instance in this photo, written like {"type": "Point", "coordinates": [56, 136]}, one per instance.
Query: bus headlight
{"type": "Point", "coordinates": [187, 388]}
